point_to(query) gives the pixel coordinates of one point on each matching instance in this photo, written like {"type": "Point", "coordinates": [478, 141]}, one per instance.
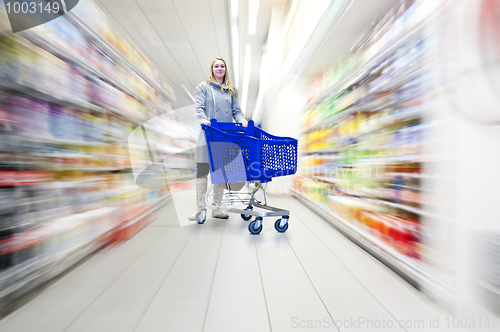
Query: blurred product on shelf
{"type": "Point", "coordinates": [68, 104]}
{"type": "Point", "coordinates": [25, 66]}
{"type": "Point", "coordinates": [95, 24]}
{"type": "Point", "coordinates": [401, 25]}
{"type": "Point", "coordinates": [73, 41]}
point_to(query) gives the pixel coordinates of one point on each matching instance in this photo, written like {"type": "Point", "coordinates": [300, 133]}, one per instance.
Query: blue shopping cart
{"type": "Point", "coordinates": [242, 155]}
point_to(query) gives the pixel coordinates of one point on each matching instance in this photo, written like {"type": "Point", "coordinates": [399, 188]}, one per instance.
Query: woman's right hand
{"type": "Point", "coordinates": [206, 123]}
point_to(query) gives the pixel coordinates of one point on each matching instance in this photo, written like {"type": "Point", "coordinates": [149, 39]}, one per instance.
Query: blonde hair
{"type": "Point", "coordinates": [231, 88]}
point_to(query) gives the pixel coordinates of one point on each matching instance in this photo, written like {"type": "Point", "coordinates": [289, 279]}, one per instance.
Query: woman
{"type": "Point", "coordinates": [216, 98]}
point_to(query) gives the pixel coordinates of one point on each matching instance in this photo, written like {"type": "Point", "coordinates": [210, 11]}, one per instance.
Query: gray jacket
{"type": "Point", "coordinates": [226, 109]}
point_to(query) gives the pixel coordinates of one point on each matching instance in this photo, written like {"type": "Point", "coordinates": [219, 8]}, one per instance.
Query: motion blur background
{"type": "Point", "coordinates": [396, 105]}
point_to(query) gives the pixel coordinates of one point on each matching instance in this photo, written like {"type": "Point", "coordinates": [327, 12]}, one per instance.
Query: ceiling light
{"type": "Point", "coordinates": [305, 29]}
{"type": "Point", "coordinates": [246, 77]}
{"type": "Point", "coordinates": [253, 10]}
{"type": "Point", "coordinates": [235, 41]}
{"type": "Point", "coordinates": [264, 80]}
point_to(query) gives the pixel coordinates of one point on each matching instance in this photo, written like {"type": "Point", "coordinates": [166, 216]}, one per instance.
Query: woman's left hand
{"type": "Point", "coordinates": [244, 123]}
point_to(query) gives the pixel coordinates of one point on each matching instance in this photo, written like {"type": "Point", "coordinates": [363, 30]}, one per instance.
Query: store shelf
{"type": "Point", "coordinates": [326, 179]}
{"type": "Point", "coordinates": [39, 91]}
{"type": "Point", "coordinates": [370, 199]}
{"type": "Point", "coordinates": [71, 59]}
{"type": "Point", "coordinates": [9, 177]}
{"type": "Point", "coordinates": [362, 72]}
{"type": "Point", "coordinates": [56, 141]}
{"type": "Point", "coordinates": [421, 176]}
{"type": "Point", "coordinates": [145, 212]}
{"type": "Point", "coordinates": [24, 273]}
{"type": "Point", "coordinates": [42, 245]}
{"type": "Point", "coordinates": [396, 159]}
{"type": "Point", "coordinates": [41, 269]}
{"type": "Point", "coordinates": [410, 113]}
{"type": "Point", "coordinates": [112, 51]}
{"type": "Point", "coordinates": [362, 105]}
{"type": "Point", "coordinates": [401, 79]}
{"type": "Point", "coordinates": [409, 209]}
{"type": "Point", "coordinates": [126, 115]}
{"type": "Point", "coordinates": [412, 270]}
{"type": "Point", "coordinates": [52, 268]}
{"type": "Point", "coordinates": [94, 169]}
{"type": "Point", "coordinates": [67, 184]}
{"type": "Point", "coordinates": [325, 151]}
{"type": "Point", "coordinates": [333, 119]}
{"type": "Point", "coordinates": [68, 155]}
{"type": "Point", "coordinates": [363, 195]}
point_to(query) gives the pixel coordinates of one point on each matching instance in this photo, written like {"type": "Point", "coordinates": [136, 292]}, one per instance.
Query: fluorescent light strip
{"type": "Point", "coordinates": [315, 10]}
{"type": "Point", "coordinates": [235, 42]}
{"type": "Point", "coordinates": [253, 10]}
{"type": "Point", "coordinates": [257, 113]}
{"type": "Point", "coordinates": [246, 77]}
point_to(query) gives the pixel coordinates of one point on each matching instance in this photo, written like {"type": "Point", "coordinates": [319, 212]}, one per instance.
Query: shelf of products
{"type": "Point", "coordinates": [367, 141]}
{"type": "Point", "coordinates": [112, 65]}
{"type": "Point", "coordinates": [118, 48]}
{"type": "Point", "coordinates": [69, 102]}
{"type": "Point", "coordinates": [397, 30]}
{"type": "Point", "coordinates": [28, 70]}
{"type": "Point", "coordinates": [110, 78]}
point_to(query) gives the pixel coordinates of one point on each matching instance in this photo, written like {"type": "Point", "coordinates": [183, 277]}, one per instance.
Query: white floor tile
{"type": "Point", "coordinates": [62, 302]}
{"type": "Point", "coordinates": [121, 306]}
{"type": "Point", "coordinates": [176, 275]}
{"type": "Point", "coordinates": [290, 295]}
{"type": "Point", "coordinates": [237, 300]}
{"type": "Point", "coordinates": [181, 302]}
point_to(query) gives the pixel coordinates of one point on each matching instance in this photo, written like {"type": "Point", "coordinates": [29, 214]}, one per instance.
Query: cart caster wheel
{"type": "Point", "coordinates": [247, 217]}
{"type": "Point", "coordinates": [255, 227]}
{"type": "Point", "coordinates": [281, 225]}
{"type": "Point", "coordinates": [201, 216]}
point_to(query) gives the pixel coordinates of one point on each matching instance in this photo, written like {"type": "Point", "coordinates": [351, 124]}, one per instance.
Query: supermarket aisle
{"type": "Point", "coordinates": [216, 277]}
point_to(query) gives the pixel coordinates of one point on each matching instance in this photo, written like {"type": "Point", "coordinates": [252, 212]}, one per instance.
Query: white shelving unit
{"type": "Point", "coordinates": [373, 64]}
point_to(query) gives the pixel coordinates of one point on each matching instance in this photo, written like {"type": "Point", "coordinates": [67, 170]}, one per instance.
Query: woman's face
{"type": "Point", "coordinates": [219, 70]}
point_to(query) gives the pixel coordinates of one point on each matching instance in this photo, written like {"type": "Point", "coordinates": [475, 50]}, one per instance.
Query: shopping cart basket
{"type": "Point", "coordinates": [239, 156]}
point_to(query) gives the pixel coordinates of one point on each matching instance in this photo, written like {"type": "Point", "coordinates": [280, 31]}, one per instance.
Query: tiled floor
{"type": "Point", "coordinates": [218, 277]}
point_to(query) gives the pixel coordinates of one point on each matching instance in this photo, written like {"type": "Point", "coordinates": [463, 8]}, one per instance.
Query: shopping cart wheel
{"type": "Point", "coordinates": [201, 216]}
{"type": "Point", "coordinates": [255, 227]}
{"type": "Point", "coordinates": [247, 217]}
{"type": "Point", "coordinates": [281, 225]}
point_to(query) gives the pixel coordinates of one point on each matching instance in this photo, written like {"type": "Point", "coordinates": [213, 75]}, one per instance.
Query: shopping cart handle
{"type": "Point", "coordinates": [249, 130]}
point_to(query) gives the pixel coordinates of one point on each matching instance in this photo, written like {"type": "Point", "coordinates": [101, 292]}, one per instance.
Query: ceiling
{"type": "Point", "coordinates": [181, 37]}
